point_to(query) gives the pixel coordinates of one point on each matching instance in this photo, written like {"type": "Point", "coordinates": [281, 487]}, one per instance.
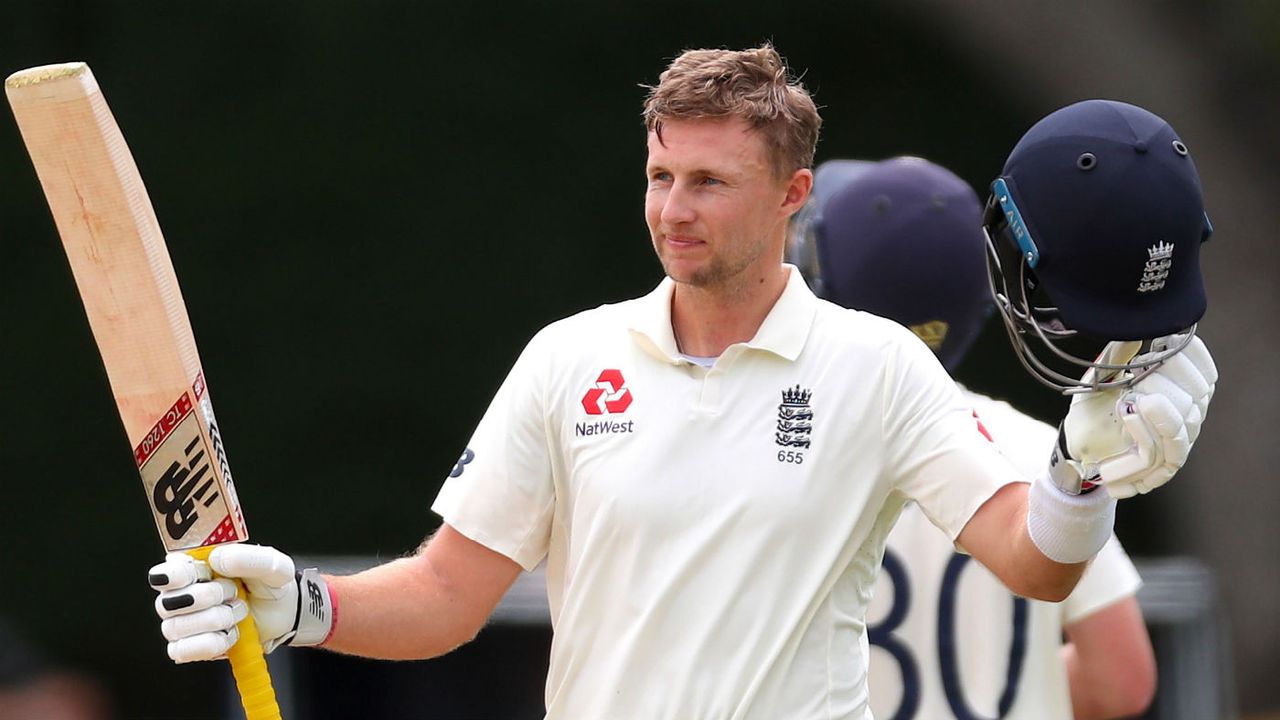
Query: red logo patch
{"type": "Point", "coordinates": [982, 428]}
{"type": "Point", "coordinates": [610, 395]}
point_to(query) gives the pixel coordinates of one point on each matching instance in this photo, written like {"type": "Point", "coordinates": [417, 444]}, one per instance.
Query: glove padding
{"type": "Point", "coordinates": [199, 611]}
{"type": "Point", "coordinates": [1188, 379]}
{"type": "Point", "coordinates": [1133, 440]}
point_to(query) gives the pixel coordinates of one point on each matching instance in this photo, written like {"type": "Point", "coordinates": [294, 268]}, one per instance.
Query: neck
{"type": "Point", "coordinates": [708, 320]}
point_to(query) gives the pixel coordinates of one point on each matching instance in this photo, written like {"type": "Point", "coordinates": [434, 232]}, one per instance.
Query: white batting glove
{"type": "Point", "coordinates": [1127, 440]}
{"type": "Point", "coordinates": [199, 611]}
{"type": "Point", "coordinates": [1133, 440]}
{"type": "Point", "coordinates": [1188, 377]}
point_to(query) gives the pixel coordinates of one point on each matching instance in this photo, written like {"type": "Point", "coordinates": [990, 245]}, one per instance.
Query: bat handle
{"type": "Point", "coordinates": [248, 664]}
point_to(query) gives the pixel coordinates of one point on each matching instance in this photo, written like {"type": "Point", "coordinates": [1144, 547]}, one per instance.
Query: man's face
{"type": "Point", "coordinates": [715, 209]}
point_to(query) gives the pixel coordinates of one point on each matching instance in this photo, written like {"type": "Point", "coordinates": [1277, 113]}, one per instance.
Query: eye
{"type": "Point", "coordinates": [660, 176]}
{"type": "Point", "coordinates": [711, 181]}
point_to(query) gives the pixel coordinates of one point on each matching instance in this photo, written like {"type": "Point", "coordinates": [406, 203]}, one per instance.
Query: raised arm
{"type": "Point", "coordinates": [1112, 444]}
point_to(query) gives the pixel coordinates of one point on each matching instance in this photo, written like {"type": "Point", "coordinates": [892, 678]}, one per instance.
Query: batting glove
{"type": "Point", "coordinates": [1133, 440]}
{"type": "Point", "coordinates": [1129, 440]}
{"type": "Point", "coordinates": [1188, 379]}
{"type": "Point", "coordinates": [199, 609]}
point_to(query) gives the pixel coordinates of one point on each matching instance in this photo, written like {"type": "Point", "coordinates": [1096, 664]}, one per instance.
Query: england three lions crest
{"type": "Point", "coordinates": [795, 418]}
{"type": "Point", "coordinates": [1156, 271]}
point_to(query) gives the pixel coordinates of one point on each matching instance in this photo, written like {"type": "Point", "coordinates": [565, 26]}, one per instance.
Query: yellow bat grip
{"type": "Point", "coordinates": [248, 664]}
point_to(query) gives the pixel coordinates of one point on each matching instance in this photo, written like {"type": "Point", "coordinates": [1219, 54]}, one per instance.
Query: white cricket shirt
{"type": "Point", "coordinates": [948, 640]}
{"type": "Point", "coordinates": [712, 535]}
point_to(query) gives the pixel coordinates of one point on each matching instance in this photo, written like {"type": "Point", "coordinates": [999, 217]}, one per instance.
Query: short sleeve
{"type": "Point", "coordinates": [501, 493]}
{"type": "Point", "coordinates": [1110, 577]}
{"type": "Point", "coordinates": [938, 453]}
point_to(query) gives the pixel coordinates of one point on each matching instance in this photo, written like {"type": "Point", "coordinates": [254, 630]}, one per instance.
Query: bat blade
{"type": "Point", "coordinates": [132, 299]}
{"type": "Point", "coordinates": [139, 320]}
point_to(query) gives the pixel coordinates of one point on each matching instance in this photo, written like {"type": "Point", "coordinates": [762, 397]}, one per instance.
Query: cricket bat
{"type": "Point", "coordinates": [135, 308]}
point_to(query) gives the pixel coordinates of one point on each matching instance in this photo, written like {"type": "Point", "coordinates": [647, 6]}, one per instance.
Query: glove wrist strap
{"type": "Point", "coordinates": [315, 610]}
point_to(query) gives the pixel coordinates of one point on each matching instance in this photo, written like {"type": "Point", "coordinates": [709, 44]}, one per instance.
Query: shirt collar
{"type": "Point", "coordinates": [782, 333]}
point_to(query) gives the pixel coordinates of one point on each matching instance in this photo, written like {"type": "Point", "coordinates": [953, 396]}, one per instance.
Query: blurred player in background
{"type": "Point", "coordinates": [710, 470]}
{"type": "Point", "coordinates": [902, 238]}
{"type": "Point", "coordinates": [31, 688]}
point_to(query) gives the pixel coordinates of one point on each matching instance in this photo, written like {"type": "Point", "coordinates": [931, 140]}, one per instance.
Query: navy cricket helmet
{"type": "Point", "coordinates": [803, 245]}
{"type": "Point", "coordinates": [1094, 229]}
{"type": "Point", "coordinates": [901, 238]}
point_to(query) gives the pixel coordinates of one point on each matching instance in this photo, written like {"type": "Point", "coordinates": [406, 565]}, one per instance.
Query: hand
{"type": "Point", "coordinates": [1133, 440]}
{"type": "Point", "coordinates": [199, 611]}
{"type": "Point", "coordinates": [1188, 378]}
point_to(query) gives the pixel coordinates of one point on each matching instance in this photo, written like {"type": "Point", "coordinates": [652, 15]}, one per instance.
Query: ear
{"type": "Point", "coordinates": [799, 186]}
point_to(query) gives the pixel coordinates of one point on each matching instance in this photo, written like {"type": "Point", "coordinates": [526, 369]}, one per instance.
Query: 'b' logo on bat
{"type": "Point", "coordinates": [180, 486]}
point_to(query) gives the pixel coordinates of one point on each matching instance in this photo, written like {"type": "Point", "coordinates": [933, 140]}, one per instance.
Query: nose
{"type": "Point", "coordinates": [677, 206]}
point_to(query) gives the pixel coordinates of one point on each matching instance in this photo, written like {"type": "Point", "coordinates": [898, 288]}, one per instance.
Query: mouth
{"type": "Point", "coordinates": [682, 242]}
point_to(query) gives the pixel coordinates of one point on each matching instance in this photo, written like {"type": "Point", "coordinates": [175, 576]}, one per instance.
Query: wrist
{"type": "Point", "coordinates": [1068, 528]}
{"type": "Point", "coordinates": [316, 610]}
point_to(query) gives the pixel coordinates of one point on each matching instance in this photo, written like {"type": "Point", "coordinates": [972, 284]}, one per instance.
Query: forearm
{"type": "Point", "coordinates": [402, 610]}
{"type": "Point", "coordinates": [1083, 702]}
{"type": "Point", "coordinates": [1036, 576]}
{"type": "Point", "coordinates": [997, 536]}
{"type": "Point", "coordinates": [1110, 663]}
{"type": "Point", "coordinates": [1092, 695]}
{"type": "Point", "coordinates": [421, 606]}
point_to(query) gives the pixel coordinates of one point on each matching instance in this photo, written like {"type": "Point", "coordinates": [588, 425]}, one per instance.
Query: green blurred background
{"type": "Point", "coordinates": [372, 206]}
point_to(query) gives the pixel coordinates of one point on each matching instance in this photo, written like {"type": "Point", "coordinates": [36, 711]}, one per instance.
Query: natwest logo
{"type": "Point", "coordinates": [608, 396]}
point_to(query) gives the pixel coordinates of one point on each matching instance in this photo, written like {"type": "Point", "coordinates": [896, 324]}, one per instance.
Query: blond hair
{"type": "Point", "coordinates": [752, 85]}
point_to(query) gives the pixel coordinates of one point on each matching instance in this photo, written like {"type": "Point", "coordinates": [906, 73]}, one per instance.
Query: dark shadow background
{"type": "Point", "coordinates": [371, 207]}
